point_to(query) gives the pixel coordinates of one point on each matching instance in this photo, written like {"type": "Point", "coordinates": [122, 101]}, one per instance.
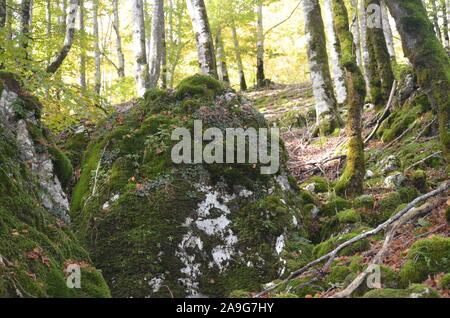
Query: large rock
{"type": "Point", "coordinates": [37, 249]}
{"type": "Point", "coordinates": [157, 228]}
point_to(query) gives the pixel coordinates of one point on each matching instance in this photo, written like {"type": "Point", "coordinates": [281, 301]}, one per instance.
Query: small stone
{"type": "Point", "coordinates": [395, 180]}
{"type": "Point", "coordinates": [369, 174]}
{"type": "Point", "coordinates": [389, 164]}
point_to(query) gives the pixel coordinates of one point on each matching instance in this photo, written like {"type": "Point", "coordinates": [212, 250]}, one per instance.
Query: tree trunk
{"type": "Point", "coordinates": [68, 41]}
{"type": "Point", "coordinates": [380, 69]}
{"type": "Point", "coordinates": [116, 25]}
{"type": "Point", "coordinates": [141, 65]}
{"type": "Point", "coordinates": [326, 106]}
{"type": "Point", "coordinates": [388, 32]}
{"type": "Point", "coordinates": [364, 47]}
{"type": "Point", "coordinates": [237, 49]}
{"type": "Point", "coordinates": [164, 62]}
{"type": "Point", "coordinates": [97, 57]}
{"type": "Point", "coordinates": [156, 42]}
{"type": "Point", "coordinates": [351, 181]}
{"type": "Point", "coordinates": [82, 54]}
{"type": "Point", "coordinates": [48, 13]}
{"type": "Point", "coordinates": [25, 24]}
{"type": "Point", "coordinates": [260, 76]}
{"type": "Point", "coordinates": [429, 59]}
{"type": "Point", "coordinates": [446, 29]}
{"type": "Point", "coordinates": [203, 37]}
{"type": "Point", "coordinates": [336, 70]}
{"type": "Point", "coordinates": [2, 13]}
{"type": "Point", "coordinates": [356, 31]}
{"type": "Point", "coordinates": [221, 58]}
{"type": "Point", "coordinates": [434, 14]}
{"type": "Point", "coordinates": [63, 17]}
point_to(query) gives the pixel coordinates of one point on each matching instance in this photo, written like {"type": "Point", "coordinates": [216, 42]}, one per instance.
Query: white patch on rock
{"type": "Point", "coordinates": [394, 181]}
{"type": "Point", "coordinates": [311, 187]}
{"type": "Point", "coordinates": [283, 182]}
{"type": "Point", "coordinates": [279, 245]}
{"type": "Point", "coordinates": [156, 283]}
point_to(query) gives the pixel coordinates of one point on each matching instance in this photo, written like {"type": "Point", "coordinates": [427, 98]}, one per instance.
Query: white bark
{"type": "Point", "coordinates": [237, 49]}
{"type": "Point", "coordinates": [140, 52]}
{"type": "Point", "coordinates": [388, 30]}
{"type": "Point", "coordinates": [221, 59]}
{"type": "Point", "coordinates": [336, 70]}
{"type": "Point", "coordinates": [97, 58]}
{"type": "Point", "coordinates": [83, 54]}
{"type": "Point", "coordinates": [356, 32]}
{"type": "Point", "coordinates": [364, 48]}
{"type": "Point", "coordinates": [68, 40]}
{"type": "Point", "coordinates": [116, 25]}
{"type": "Point", "coordinates": [203, 37]}
{"type": "Point", "coordinates": [156, 41]}
{"type": "Point", "coordinates": [260, 46]}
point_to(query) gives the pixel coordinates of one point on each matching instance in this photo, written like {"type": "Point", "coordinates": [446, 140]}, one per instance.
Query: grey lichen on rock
{"type": "Point", "coordinates": [189, 230]}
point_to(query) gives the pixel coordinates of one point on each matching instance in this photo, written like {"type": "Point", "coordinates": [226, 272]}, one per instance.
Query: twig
{"type": "Point", "coordinates": [379, 228]}
{"type": "Point", "coordinates": [423, 130]}
{"type": "Point", "coordinates": [423, 160]}
{"type": "Point", "coordinates": [278, 24]}
{"type": "Point", "coordinates": [381, 119]}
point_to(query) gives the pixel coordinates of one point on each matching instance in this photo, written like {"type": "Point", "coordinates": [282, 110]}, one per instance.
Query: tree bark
{"type": "Point", "coordinates": [116, 26]}
{"type": "Point", "coordinates": [97, 57]}
{"type": "Point", "coordinates": [388, 32]}
{"type": "Point", "coordinates": [68, 41]}
{"type": "Point", "coordinates": [203, 38]}
{"type": "Point", "coordinates": [351, 181]}
{"type": "Point", "coordinates": [164, 63]}
{"type": "Point", "coordinates": [380, 69]}
{"type": "Point", "coordinates": [326, 105]}
{"type": "Point", "coordinates": [2, 13]}
{"type": "Point", "coordinates": [237, 50]}
{"type": "Point", "coordinates": [429, 59]}
{"type": "Point", "coordinates": [221, 58]}
{"type": "Point", "coordinates": [260, 76]}
{"type": "Point", "coordinates": [446, 28]}
{"type": "Point", "coordinates": [336, 70]}
{"type": "Point", "coordinates": [434, 14]}
{"type": "Point", "coordinates": [82, 54]}
{"type": "Point", "coordinates": [356, 31]}
{"type": "Point", "coordinates": [140, 52]}
{"type": "Point", "coordinates": [364, 47]}
{"type": "Point", "coordinates": [156, 41]}
{"type": "Point", "coordinates": [25, 24]}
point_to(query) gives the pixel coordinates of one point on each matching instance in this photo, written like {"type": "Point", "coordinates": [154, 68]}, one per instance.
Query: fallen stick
{"type": "Point", "coordinates": [381, 119]}
{"type": "Point", "coordinates": [389, 237]}
{"type": "Point", "coordinates": [379, 228]}
{"type": "Point", "coordinates": [423, 160]}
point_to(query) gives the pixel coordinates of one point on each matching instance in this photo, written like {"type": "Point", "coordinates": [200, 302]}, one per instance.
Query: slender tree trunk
{"type": "Point", "coordinates": [364, 47]}
{"type": "Point", "coordinates": [116, 25]}
{"type": "Point", "coordinates": [97, 57]}
{"type": "Point", "coordinates": [64, 14]}
{"type": "Point", "coordinates": [336, 70]}
{"type": "Point", "coordinates": [380, 69]}
{"type": "Point", "coordinates": [260, 76]}
{"type": "Point", "coordinates": [203, 37]}
{"type": "Point", "coordinates": [156, 42]}
{"type": "Point", "coordinates": [240, 65]}
{"type": "Point", "coordinates": [434, 14]}
{"type": "Point", "coordinates": [356, 31]}
{"type": "Point", "coordinates": [83, 54]}
{"type": "Point", "coordinates": [221, 59]}
{"type": "Point", "coordinates": [351, 181]}
{"type": "Point", "coordinates": [446, 29]}
{"type": "Point", "coordinates": [164, 63]}
{"type": "Point", "coordinates": [388, 32]}
{"type": "Point", "coordinates": [429, 59]}
{"type": "Point", "coordinates": [68, 41]}
{"type": "Point", "coordinates": [141, 65]}
{"type": "Point", "coordinates": [25, 24]}
{"type": "Point", "coordinates": [2, 13]}
{"type": "Point", "coordinates": [48, 13]}
{"type": "Point", "coordinates": [326, 105]}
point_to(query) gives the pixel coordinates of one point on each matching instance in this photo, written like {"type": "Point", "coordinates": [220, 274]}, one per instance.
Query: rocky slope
{"type": "Point", "coordinates": [37, 246]}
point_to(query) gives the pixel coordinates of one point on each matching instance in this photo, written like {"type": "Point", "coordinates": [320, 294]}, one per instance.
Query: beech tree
{"type": "Point", "coordinates": [156, 42]}
{"type": "Point", "coordinates": [260, 76]}
{"type": "Point", "coordinates": [116, 25]}
{"type": "Point", "coordinates": [326, 105]}
{"type": "Point", "coordinates": [140, 52]}
{"type": "Point", "coordinates": [351, 181]}
{"type": "Point", "coordinates": [429, 59]}
{"type": "Point", "coordinates": [221, 58]}
{"type": "Point", "coordinates": [203, 37]}
{"type": "Point", "coordinates": [240, 65]}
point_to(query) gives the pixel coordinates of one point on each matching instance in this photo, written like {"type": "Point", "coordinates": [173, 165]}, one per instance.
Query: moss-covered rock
{"type": "Point", "coordinates": [388, 205]}
{"type": "Point", "coordinates": [419, 180]}
{"type": "Point", "coordinates": [333, 242]}
{"type": "Point", "coordinates": [335, 205]}
{"type": "Point", "coordinates": [365, 201]}
{"type": "Point", "coordinates": [386, 293]}
{"type": "Point", "coordinates": [426, 257]}
{"type": "Point", "coordinates": [239, 294]}
{"type": "Point", "coordinates": [349, 216]}
{"type": "Point", "coordinates": [444, 282]}
{"type": "Point", "coordinates": [316, 184]}
{"type": "Point", "coordinates": [63, 166]}
{"type": "Point", "coordinates": [204, 229]}
{"type": "Point", "coordinates": [37, 249]}
{"type": "Point", "coordinates": [422, 291]}
{"type": "Point", "coordinates": [408, 194]}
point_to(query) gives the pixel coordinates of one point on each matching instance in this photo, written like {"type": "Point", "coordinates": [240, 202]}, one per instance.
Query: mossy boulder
{"type": "Point", "coordinates": [444, 282]}
{"type": "Point", "coordinates": [389, 204]}
{"type": "Point", "coordinates": [37, 249]}
{"type": "Point", "coordinates": [199, 229]}
{"type": "Point", "coordinates": [333, 242]}
{"type": "Point", "coordinates": [422, 291]}
{"type": "Point", "coordinates": [316, 185]}
{"type": "Point", "coordinates": [426, 257]}
{"type": "Point", "coordinates": [349, 216]}
{"type": "Point", "coordinates": [63, 166]}
{"type": "Point", "coordinates": [335, 205]}
{"type": "Point", "coordinates": [386, 293]}
{"type": "Point", "coordinates": [419, 180]}
{"type": "Point", "coordinates": [365, 201]}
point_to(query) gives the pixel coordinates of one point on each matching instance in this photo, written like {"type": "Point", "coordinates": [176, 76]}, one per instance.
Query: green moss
{"type": "Point", "coordinates": [408, 194]}
{"type": "Point", "coordinates": [447, 214]}
{"type": "Point", "coordinates": [422, 291]}
{"type": "Point", "coordinates": [63, 166]}
{"type": "Point", "coordinates": [388, 205]}
{"type": "Point", "coordinates": [338, 274]}
{"type": "Point", "coordinates": [349, 216]}
{"type": "Point", "coordinates": [444, 282]}
{"type": "Point", "coordinates": [419, 180]}
{"type": "Point", "coordinates": [389, 278]}
{"type": "Point", "coordinates": [74, 147]}
{"type": "Point", "coordinates": [386, 293]}
{"type": "Point", "coordinates": [364, 201]}
{"type": "Point", "coordinates": [335, 205]}
{"type": "Point", "coordinates": [320, 184]}
{"type": "Point", "coordinates": [239, 294]}
{"type": "Point", "coordinates": [330, 244]}
{"type": "Point", "coordinates": [426, 257]}
{"type": "Point", "coordinates": [198, 86]}
{"type": "Point", "coordinates": [287, 296]}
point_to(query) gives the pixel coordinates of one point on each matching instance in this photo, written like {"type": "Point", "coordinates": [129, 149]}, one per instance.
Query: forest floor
{"type": "Point", "coordinates": [314, 156]}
